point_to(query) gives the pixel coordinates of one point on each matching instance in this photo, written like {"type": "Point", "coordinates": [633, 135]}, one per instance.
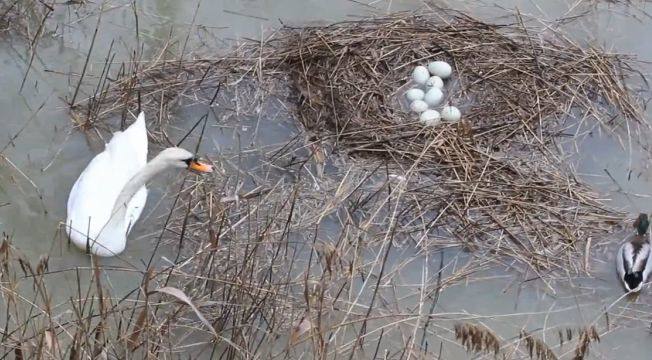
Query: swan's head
{"type": "Point", "coordinates": [182, 158]}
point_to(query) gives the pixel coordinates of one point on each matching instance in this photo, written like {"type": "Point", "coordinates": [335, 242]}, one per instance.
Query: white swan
{"type": "Point", "coordinates": [109, 195]}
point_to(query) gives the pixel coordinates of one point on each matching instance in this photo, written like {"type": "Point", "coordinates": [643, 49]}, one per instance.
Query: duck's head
{"type": "Point", "coordinates": [633, 281]}
{"type": "Point", "coordinates": [641, 224]}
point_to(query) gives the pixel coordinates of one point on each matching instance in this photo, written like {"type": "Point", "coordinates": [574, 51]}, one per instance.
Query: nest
{"type": "Point", "coordinates": [495, 181]}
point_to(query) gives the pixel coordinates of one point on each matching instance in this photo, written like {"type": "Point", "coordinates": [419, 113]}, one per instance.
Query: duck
{"type": "Point", "coordinates": [109, 195]}
{"type": "Point", "coordinates": [633, 259]}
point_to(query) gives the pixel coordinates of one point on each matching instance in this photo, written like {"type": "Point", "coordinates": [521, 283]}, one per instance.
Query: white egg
{"type": "Point", "coordinates": [441, 69]}
{"type": "Point", "coordinates": [451, 113]}
{"type": "Point", "coordinates": [433, 96]}
{"type": "Point", "coordinates": [420, 75]}
{"type": "Point", "coordinates": [418, 106]}
{"type": "Point", "coordinates": [435, 81]}
{"type": "Point", "coordinates": [414, 94]}
{"type": "Point", "coordinates": [430, 118]}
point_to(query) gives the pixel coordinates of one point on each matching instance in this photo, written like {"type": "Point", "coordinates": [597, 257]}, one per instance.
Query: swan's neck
{"type": "Point", "coordinates": [151, 169]}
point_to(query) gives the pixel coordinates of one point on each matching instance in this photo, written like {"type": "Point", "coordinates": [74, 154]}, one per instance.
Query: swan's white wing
{"type": "Point", "coordinates": [128, 149]}
{"type": "Point", "coordinates": [133, 147]}
{"type": "Point", "coordinates": [87, 204]}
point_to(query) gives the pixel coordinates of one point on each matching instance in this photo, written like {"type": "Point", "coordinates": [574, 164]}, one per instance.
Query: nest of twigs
{"type": "Point", "coordinates": [495, 181]}
{"type": "Point", "coordinates": [492, 181]}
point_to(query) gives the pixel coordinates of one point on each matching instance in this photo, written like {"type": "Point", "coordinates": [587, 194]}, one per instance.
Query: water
{"type": "Point", "coordinates": [48, 154]}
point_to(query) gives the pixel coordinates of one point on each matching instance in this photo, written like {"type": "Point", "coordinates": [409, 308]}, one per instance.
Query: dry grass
{"type": "Point", "coordinates": [496, 182]}
{"type": "Point", "coordinates": [586, 337]}
{"type": "Point", "coordinates": [537, 349]}
{"type": "Point", "coordinates": [29, 20]}
{"type": "Point", "coordinates": [23, 17]}
{"type": "Point", "coordinates": [305, 252]}
{"type": "Point", "coordinates": [477, 339]}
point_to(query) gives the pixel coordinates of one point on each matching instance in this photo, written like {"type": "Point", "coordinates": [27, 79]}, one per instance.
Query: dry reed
{"type": "Point", "coordinates": [495, 182]}
{"type": "Point", "coordinates": [537, 349]}
{"type": "Point", "coordinates": [477, 338]}
{"type": "Point", "coordinates": [26, 19]}
{"type": "Point", "coordinates": [277, 262]}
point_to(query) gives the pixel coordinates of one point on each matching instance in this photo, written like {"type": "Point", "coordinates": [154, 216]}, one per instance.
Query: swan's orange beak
{"type": "Point", "coordinates": [196, 165]}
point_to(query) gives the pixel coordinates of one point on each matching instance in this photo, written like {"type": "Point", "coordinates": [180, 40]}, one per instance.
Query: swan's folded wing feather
{"type": "Point", "coordinates": [129, 148]}
{"type": "Point", "coordinates": [87, 210]}
{"type": "Point", "coordinates": [129, 154]}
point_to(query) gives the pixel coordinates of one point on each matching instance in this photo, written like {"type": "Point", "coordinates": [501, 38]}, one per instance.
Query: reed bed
{"type": "Point", "coordinates": [313, 250]}
{"type": "Point", "coordinates": [23, 17]}
{"type": "Point", "coordinates": [260, 273]}
{"type": "Point", "coordinates": [29, 20]}
{"type": "Point", "coordinates": [497, 181]}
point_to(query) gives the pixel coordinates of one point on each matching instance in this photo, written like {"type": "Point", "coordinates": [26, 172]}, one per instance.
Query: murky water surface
{"type": "Point", "coordinates": [48, 154]}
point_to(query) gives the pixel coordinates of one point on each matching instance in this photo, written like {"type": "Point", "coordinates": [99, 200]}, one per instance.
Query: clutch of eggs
{"type": "Point", "coordinates": [422, 102]}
